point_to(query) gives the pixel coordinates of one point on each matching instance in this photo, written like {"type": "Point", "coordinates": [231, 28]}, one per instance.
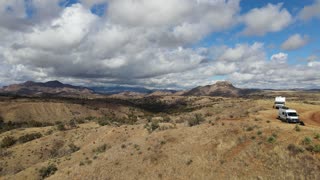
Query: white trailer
{"type": "Point", "coordinates": [288, 115]}
{"type": "Point", "coordinates": [279, 102]}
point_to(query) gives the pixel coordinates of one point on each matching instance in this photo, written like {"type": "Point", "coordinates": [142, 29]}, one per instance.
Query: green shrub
{"type": "Point", "coordinates": [317, 136]}
{"type": "Point", "coordinates": [196, 120]}
{"type": "Point", "coordinates": [8, 141]}
{"type": "Point", "coordinates": [306, 141]}
{"type": "Point", "coordinates": [315, 148]}
{"type": "Point", "coordinates": [259, 133]}
{"type": "Point", "coordinates": [61, 127]}
{"type": "Point", "coordinates": [48, 171]}
{"type": "Point", "coordinates": [271, 139]}
{"type": "Point", "coordinates": [101, 148]}
{"type": "Point", "coordinates": [29, 137]}
{"type": "Point", "coordinates": [297, 128]}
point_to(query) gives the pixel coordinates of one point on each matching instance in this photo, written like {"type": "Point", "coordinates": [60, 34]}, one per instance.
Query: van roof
{"type": "Point", "coordinates": [291, 110]}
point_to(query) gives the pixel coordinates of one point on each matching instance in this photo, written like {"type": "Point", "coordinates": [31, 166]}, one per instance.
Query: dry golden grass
{"type": "Point", "coordinates": [240, 139]}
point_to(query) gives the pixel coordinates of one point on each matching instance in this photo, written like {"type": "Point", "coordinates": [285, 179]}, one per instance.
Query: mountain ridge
{"type": "Point", "coordinates": [31, 88]}
{"type": "Point", "coordinates": [220, 88]}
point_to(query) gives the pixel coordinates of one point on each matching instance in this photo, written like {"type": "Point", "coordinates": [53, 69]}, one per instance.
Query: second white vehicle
{"type": "Point", "coordinates": [288, 115]}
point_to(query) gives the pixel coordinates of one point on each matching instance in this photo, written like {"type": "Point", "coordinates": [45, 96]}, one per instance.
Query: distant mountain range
{"type": "Point", "coordinates": [50, 88]}
{"type": "Point", "coordinates": [121, 89]}
{"type": "Point", "coordinates": [56, 88]}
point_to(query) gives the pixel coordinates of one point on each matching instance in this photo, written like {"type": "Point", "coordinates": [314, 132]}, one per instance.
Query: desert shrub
{"type": "Point", "coordinates": [152, 126]}
{"type": "Point", "coordinates": [73, 123]}
{"type": "Point", "coordinates": [103, 121]}
{"type": "Point", "coordinates": [35, 124]}
{"type": "Point", "coordinates": [271, 139]}
{"type": "Point", "coordinates": [317, 136]}
{"type": "Point", "coordinates": [8, 141]}
{"type": "Point", "coordinates": [294, 149]}
{"type": "Point", "coordinates": [315, 148]}
{"type": "Point", "coordinates": [101, 149]}
{"type": "Point", "coordinates": [166, 119]}
{"type": "Point", "coordinates": [29, 137]}
{"type": "Point", "coordinates": [189, 162]}
{"type": "Point", "coordinates": [90, 118]}
{"type": "Point", "coordinates": [306, 141]}
{"type": "Point", "coordinates": [61, 127]}
{"type": "Point", "coordinates": [55, 150]}
{"type": "Point", "coordinates": [47, 171]}
{"type": "Point", "coordinates": [14, 125]}
{"type": "Point", "coordinates": [259, 133]}
{"type": "Point", "coordinates": [196, 120]}
{"type": "Point", "coordinates": [73, 148]}
{"type": "Point", "coordinates": [50, 131]}
{"type": "Point", "coordinates": [80, 120]}
{"type": "Point", "coordinates": [297, 128]}
{"type": "Point", "coordinates": [249, 128]}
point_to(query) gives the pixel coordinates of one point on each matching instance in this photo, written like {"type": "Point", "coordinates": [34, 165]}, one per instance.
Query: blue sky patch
{"type": "Point", "coordinates": [68, 3]}
{"type": "Point", "coordinates": [99, 9]}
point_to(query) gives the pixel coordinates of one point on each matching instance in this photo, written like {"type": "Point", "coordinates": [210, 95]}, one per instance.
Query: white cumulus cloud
{"type": "Point", "coordinates": [271, 18]}
{"type": "Point", "coordinates": [279, 58]}
{"type": "Point", "coordinates": [294, 42]}
{"type": "Point", "coordinates": [310, 11]}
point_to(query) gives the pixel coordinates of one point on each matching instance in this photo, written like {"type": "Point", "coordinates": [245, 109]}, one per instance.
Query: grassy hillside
{"type": "Point", "coordinates": [229, 139]}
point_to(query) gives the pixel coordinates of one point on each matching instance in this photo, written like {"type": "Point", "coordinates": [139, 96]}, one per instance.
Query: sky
{"type": "Point", "coordinates": [174, 44]}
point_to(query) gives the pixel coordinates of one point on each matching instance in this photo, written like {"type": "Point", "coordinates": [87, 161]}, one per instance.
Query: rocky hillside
{"type": "Point", "coordinates": [221, 88]}
{"type": "Point", "coordinates": [31, 88]}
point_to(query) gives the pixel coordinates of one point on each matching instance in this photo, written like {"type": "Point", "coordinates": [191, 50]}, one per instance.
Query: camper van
{"type": "Point", "coordinates": [288, 115]}
{"type": "Point", "coordinates": [279, 102]}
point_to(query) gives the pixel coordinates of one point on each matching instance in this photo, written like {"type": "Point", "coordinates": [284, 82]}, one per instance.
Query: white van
{"type": "Point", "coordinates": [279, 102]}
{"type": "Point", "coordinates": [288, 115]}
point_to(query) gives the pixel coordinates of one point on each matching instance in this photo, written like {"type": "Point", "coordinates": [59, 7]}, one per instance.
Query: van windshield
{"type": "Point", "coordinates": [279, 102]}
{"type": "Point", "coordinates": [292, 114]}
